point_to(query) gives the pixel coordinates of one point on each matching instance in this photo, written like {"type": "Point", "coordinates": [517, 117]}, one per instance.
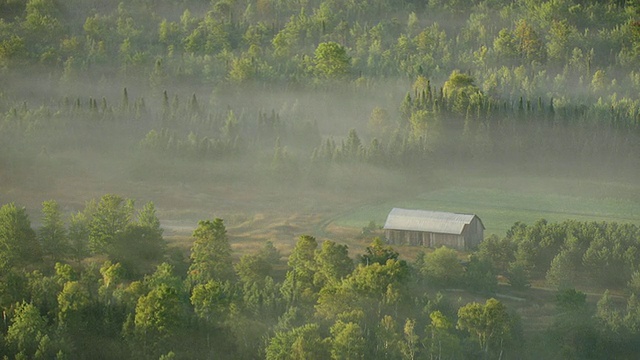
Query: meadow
{"type": "Point", "coordinates": [500, 202]}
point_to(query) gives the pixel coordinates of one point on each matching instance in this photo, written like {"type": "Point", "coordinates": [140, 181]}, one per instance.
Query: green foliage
{"type": "Point", "coordinates": [573, 332]}
{"type": "Point", "coordinates": [52, 234]}
{"type": "Point", "coordinates": [564, 268]}
{"type": "Point", "coordinates": [147, 218]}
{"type": "Point", "coordinates": [380, 122]}
{"type": "Point", "coordinates": [442, 268]}
{"type": "Point", "coordinates": [352, 147]}
{"type": "Point", "coordinates": [253, 268]}
{"type": "Point", "coordinates": [282, 165]}
{"type": "Point", "coordinates": [441, 342]}
{"type": "Point", "coordinates": [112, 231]}
{"type": "Point", "coordinates": [505, 45]}
{"type": "Point", "coordinates": [378, 253]}
{"type": "Point", "coordinates": [112, 215]}
{"type": "Point", "coordinates": [490, 323]}
{"type": "Point", "coordinates": [634, 283]}
{"type": "Point", "coordinates": [388, 339]}
{"type": "Point", "coordinates": [409, 345]}
{"type": "Point", "coordinates": [461, 91]}
{"type": "Point", "coordinates": [298, 287]}
{"type": "Point", "coordinates": [210, 254]}
{"type": "Point", "coordinates": [379, 281]}
{"type": "Point", "coordinates": [18, 243]}
{"type": "Point", "coordinates": [27, 331]}
{"type": "Point", "coordinates": [300, 343]}
{"type": "Point", "coordinates": [331, 61]}
{"type": "Point", "coordinates": [332, 264]}
{"type": "Point", "coordinates": [138, 247]}
{"type": "Point", "coordinates": [570, 300]}
{"type": "Point", "coordinates": [43, 291]}
{"type": "Point", "coordinates": [518, 276]}
{"type": "Point", "coordinates": [211, 301]}
{"type": "Point", "coordinates": [165, 274]}
{"type": "Point", "coordinates": [157, 315]}
{"type": "Point", "coordinates": [559, 77]}
{"type": "Point", "coordinates": [530, 46]}
{"type": "Point", "coordinates": [498, 252]}
{"type": "Point", "coordinates": [347, 342]}
{"type": "Point", "coordinates": [480, 276]}
{"type": "Point", "coordinates": [74, 303]}
{"type": "Point", "coordinates": [112, 277]}
{"type": "Point", "coordinates": [459, 84]}
{"type": "Point", "coordinates": [324, 307]}
{"type": "Point", "coordinates": [78, 234]}
{"type": "Point", "coordinates": [270, 253]}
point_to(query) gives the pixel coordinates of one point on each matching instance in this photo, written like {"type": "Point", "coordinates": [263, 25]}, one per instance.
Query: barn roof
{"type": "Point", "coordinates": [429, 221]}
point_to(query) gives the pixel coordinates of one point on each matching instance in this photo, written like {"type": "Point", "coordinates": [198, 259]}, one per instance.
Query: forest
{"type": "Point", "coordinates": [173, 174]}
{"type": "Point", "coordinates": [107, 286]}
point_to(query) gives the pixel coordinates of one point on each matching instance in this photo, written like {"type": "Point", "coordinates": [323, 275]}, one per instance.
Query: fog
{"type": "Point", "coordinates": [75, 153]}
{"type": "Point", "coordinates": [289, 118]}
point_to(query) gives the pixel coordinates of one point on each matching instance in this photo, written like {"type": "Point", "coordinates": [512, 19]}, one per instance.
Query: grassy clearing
{"type": "Point", "coordinates": [501, 206]}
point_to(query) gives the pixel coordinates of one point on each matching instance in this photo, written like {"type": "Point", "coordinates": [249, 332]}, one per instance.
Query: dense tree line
{"type": "Point", "coordinates": [568, 253]}
{"type": "Point", "coordinates": [70, 290]}
{"type": "Point", "coordinates": [435, 125]}
{"type": "Point", "coordinates": [514, 48]}
{"type": "Point", "coordinates": [514, 82]}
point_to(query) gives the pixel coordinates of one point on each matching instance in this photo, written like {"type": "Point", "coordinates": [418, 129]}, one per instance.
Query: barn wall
{"type": "Point", "coordinates": [404, 237]}
{"type": "Point", "coordinates": [473, 234]}
{"type": "Point", "coordinates": [449, 240]}
{"type": "Point", "coordinates": [434, 240]}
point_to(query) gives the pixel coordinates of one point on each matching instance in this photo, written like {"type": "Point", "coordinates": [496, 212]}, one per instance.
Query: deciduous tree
{"type": "Point", "coordinates": [27, 330]}
{"type": "Point", "coordinates": [347, 341]}
{"type": "Point", "coordinates": [301, 343]}
{"type": "Point", "coordinates": [377, 252]}
{"type": "Point", "coordinates": [332, 263]}
{"type": "Point", "coordinates": [440, 342]}
{"type": "Point", "coordinates": [158, 315]}
{"type": "Point", "coordinates": [18, 243]}
{"type": "Point", "coordinates": [443, 268]}
{"type": "Point", "coordinates": [490, 323]}
{"type": "Point", "coordinates": [211, 301]}
{"type": "Point", "coordinates": [78, 235]}
{"type": "Point", "coordinates": [53, 234]}
{"type": "Point", "coordinates": [210, 254]}
{"type": "Point", "coordinates": [108, 222]}
{"type": "Point", "coordinates": [331, 61]}
{"type": "Point", "coordinates": [298, 285]}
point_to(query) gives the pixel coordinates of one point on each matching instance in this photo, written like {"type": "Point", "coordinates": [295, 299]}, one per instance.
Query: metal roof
{"type": "Point", "coordinates": [428, 221]}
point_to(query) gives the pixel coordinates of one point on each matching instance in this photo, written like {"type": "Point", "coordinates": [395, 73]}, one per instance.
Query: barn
{"type": "Point", "coordinates": [433, 229]}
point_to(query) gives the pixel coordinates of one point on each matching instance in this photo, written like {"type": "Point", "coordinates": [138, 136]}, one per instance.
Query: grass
{"type": "Point", "coordinates": [509, 201]}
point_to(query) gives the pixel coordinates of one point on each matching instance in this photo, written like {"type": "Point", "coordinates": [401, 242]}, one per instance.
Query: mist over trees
{"type": "Point", "coordinates": [525, 82]}
{"type": "Point", "coordinates": [315, 96]}
{"type": "Point", "coordinates": [325, 302]}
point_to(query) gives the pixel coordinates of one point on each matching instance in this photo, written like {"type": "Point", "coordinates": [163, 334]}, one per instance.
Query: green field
{"type": "Point", "coordinates": [501, 206]}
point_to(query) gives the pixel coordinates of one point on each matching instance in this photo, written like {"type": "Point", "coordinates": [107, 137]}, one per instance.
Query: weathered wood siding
{"type": "Point", "coordinates": [471, 236]}
{"type": "Point", "coordinates": [473, 233]}
{"type": "Point", "coordinates": [428, 239]}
